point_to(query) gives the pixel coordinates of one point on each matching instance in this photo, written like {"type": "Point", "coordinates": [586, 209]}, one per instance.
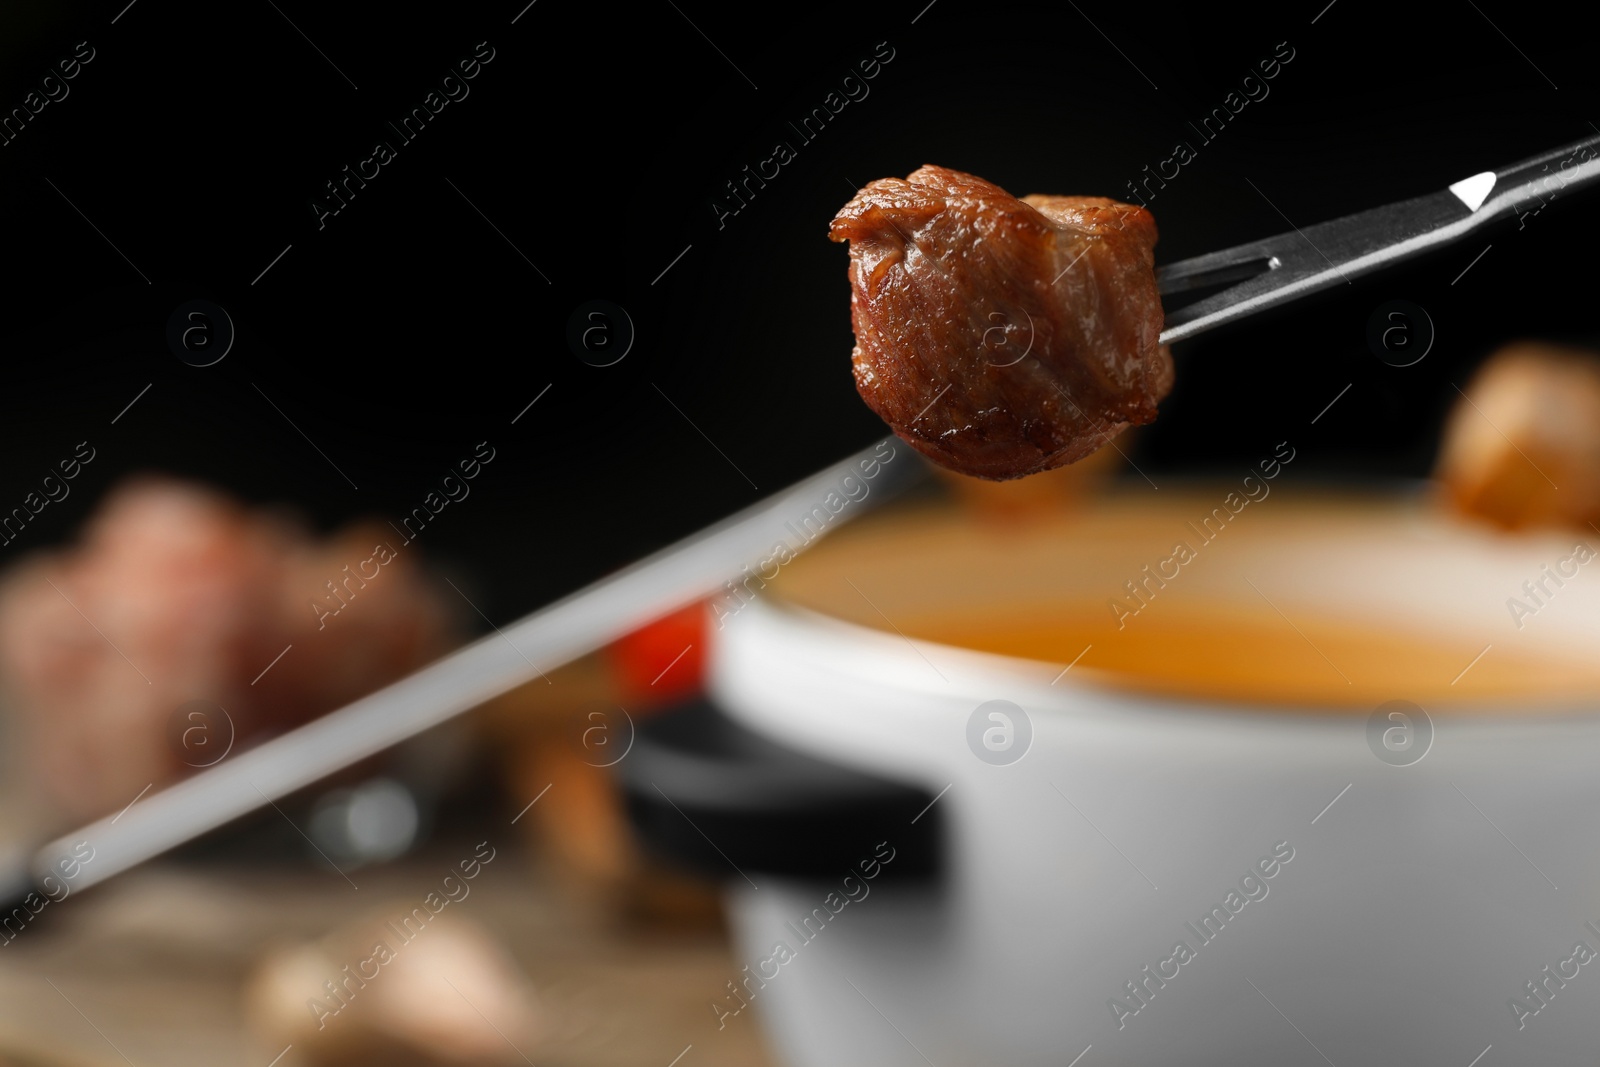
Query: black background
{"type": "Point", "coordinates": [408, 329]}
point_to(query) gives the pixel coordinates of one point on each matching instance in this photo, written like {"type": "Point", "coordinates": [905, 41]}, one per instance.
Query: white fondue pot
{"type": "Point", "coordinates": [1131, 874]}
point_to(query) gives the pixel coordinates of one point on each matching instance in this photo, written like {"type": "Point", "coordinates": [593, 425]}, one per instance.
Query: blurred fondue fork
{"type": "Point", "coordinates": [1279, 269]}
{"type": "Point", "coordinates": [1266, 273]}
{"type": "Point", "coordinates": [590, 618]}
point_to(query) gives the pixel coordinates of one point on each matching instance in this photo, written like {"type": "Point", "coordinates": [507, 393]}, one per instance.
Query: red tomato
{"type": "Point", "coordinates": [664, 661]}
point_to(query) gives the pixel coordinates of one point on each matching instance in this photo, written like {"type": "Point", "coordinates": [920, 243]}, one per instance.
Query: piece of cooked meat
{"type": "Point", "coordinates": [195, 597]}
{"type": "Point", "coordinates": [1002, 337]}
{"type": "Point", "coordinates": [1528, 422]}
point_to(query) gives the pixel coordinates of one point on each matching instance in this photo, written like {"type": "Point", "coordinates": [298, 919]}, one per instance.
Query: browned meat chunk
{"type": "Point", "coordinates": [1528, 423]}
{"type": "Point", "coordinates": [1002, 337]}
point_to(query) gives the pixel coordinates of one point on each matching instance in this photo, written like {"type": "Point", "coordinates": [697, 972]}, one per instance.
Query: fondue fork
{"type": "Point", "coordinates": [1276, 270]}
{"type": "Point", "coordinates": [1265, 274]}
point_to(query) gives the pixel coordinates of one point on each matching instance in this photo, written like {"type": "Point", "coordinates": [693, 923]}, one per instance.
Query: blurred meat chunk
{"type": "Point", "coordinates": [453, 996]}
{"type": "Point", "coordinates": [1002, 337]}
{"type": "Point", "coordinates": [1522, 447]}
{"type": "Point", "coordinates": [177, 595]}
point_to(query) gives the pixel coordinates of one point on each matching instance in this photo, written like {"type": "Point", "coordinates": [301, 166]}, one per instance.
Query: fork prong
{"type": "Point", "coordinates": [1302, 261]}
{"type": "Point", "coordinates": [1263, 274]}
{"type": "Point", "coordinates": [1216, 268]}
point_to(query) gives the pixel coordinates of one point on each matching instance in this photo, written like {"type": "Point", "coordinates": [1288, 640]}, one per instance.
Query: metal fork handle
{"type": "Point", "coordinates": [1278, 269]}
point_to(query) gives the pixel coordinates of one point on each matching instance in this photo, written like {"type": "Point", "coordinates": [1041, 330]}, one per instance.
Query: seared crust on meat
{"type": "Point", "coordinates": [1002, 337]}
